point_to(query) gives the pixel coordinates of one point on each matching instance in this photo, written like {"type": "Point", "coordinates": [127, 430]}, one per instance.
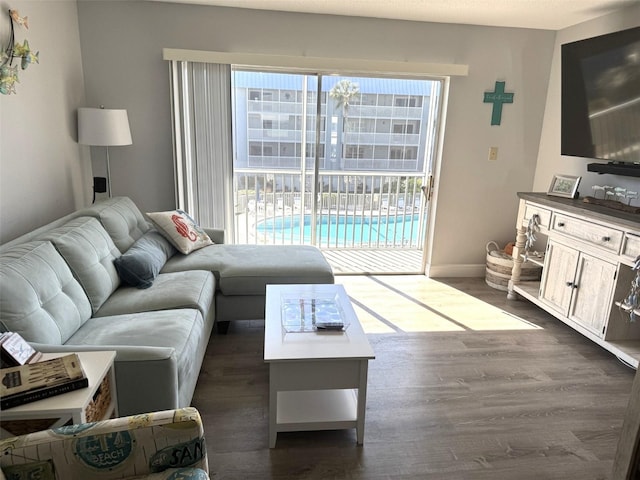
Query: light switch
{"type": "Point", "coordinates": [493, 153]}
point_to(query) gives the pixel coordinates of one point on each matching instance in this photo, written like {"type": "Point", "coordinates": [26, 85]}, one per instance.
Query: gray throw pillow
{"type": "Point", "coordinates": [141, 264]}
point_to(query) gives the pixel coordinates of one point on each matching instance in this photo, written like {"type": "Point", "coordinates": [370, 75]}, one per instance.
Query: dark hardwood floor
{"type": "Point", "coordinates": [459, 389]}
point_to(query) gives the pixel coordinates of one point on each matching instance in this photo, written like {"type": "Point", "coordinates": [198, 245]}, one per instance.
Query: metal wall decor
{"type": "Point", "coordinates": [12, 51]}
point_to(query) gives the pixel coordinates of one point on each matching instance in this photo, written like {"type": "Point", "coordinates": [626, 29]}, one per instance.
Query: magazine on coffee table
{"type": "Point", "coordinates": [312, 314]}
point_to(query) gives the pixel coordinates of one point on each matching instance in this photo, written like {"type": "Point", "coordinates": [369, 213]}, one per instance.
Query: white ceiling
{"type": "Point", "coordinates": [542, 14]}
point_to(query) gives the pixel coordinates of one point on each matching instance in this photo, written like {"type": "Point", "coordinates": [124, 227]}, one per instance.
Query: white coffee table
{"type": "Point", "coordinates": [317, 379]}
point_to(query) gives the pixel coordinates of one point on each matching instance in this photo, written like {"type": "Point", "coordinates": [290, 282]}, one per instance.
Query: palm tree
{"type": "Point", "coordinates": [344, 93]}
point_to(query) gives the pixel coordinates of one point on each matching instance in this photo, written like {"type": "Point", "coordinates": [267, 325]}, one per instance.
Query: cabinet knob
{"type": "Point", "coordinates": [561, 224]}
{"type": "Point", "coordinates": [569, 284]}
{"type": "Point", "coordinates": [606, 239]}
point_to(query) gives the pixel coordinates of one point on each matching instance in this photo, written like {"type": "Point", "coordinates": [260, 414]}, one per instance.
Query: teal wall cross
{"type": "Point", "coordinates": [498, 97]}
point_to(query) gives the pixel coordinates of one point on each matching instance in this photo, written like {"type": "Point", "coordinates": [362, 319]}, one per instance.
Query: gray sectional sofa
{"type": "Point", "coordinates": [59, 288]}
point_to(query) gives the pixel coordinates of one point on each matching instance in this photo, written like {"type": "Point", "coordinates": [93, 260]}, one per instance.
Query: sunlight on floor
{"type": "Point", "coordinates": [387, 304]}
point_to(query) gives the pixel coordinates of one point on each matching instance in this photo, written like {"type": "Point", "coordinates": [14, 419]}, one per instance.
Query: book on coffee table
{"type": "Point", "coordinates": [35, 381]}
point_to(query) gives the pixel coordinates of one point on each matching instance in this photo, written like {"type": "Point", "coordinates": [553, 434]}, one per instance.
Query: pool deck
{"type": "Point", "coordinates": [352, 261]}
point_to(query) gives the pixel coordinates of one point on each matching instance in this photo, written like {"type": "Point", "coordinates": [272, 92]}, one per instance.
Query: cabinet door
{"type": "Point", "coordinates": [559, 273]}
{"type": "Point", "coordinates": [592, 290]}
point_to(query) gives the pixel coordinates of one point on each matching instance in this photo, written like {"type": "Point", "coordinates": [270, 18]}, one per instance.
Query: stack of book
{"type": "Point", "coordinates": [36, 381]}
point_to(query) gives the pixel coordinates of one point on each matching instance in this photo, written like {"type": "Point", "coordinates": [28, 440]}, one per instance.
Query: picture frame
{"type": "Point", "coordinates": [564, 186]}
{"type": "Point", "coordinates": [15, 351]}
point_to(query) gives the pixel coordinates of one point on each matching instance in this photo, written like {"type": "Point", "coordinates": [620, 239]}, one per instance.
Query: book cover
{"type": "Point", "coordinates": [27, 383]}
{"type": "Point", "coordinates": [42, 393]}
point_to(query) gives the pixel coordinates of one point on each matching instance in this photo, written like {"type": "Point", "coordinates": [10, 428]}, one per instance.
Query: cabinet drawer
{"type": "Point", "coordinates": [543, 214]}
{"type": "Point", "coordinates": [631, 246]}
{"type": "Point", "coordinates": [605, 237]}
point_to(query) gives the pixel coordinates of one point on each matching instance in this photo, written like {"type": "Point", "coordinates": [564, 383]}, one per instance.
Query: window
{"type": "Point", "coordinates": [267, 95]}
{"type": "Point", "coordinates": [405, 128]}
{"type": "Point", "coordinates": [368, 99]}
{"type": "Point", "coordinates": [396, 153]}
{"type": "Point", "coordinates": [354, 151]}
{"type": "Point", "coordinates": [383, 125]}
{"type": "Point", "coordinates": [287, 150]}
{"type": "Point", "coordinates": [268, 149]}
{"type": "Point", "coordinates": [255, 148]}
{"type": "Point", "coordinates": [410, 153]}
{"type": "Point", "coordinates": [287, 96]}
{"type": "Point", "coordinates": [381, 152]}
{"type": "Point", "coordinates": [401, 101]}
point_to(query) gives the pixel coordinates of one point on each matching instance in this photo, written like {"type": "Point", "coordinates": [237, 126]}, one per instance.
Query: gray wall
{"type": "Point", "coordinates": [550, 161]}
{"type": "Point", "coordinates": [122, 57]}
{"type": "Point", "coordinates": [44, 174]}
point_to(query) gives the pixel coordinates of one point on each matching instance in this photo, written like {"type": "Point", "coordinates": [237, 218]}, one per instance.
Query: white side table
{"type": "Point", "coordinates": [96, 402]}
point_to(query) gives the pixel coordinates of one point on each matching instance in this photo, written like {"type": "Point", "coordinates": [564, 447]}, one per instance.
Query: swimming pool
{"type": "Point", "coordinates": [345, 230]}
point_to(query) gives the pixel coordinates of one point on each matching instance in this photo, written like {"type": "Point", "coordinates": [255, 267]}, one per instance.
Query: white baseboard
{"type": "Point", "coordinates": [441, 271]}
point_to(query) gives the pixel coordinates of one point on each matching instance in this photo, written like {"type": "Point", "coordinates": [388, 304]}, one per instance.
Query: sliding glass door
{"type": "Point", "coordinates": [337, 162]}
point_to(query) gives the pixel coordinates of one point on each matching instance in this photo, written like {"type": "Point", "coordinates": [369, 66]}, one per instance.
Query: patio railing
{"type": "Point", "coordinates": [353, 210]}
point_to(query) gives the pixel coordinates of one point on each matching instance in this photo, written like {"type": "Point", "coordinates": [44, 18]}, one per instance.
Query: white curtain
{"type": "Point", "coordinates": [203, 159]}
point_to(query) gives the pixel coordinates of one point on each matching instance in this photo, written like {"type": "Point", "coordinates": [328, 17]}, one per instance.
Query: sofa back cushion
{"type": "Point", "coordinates": [39, 297]}
{"type": "Point", "coordinates": [122, 220]}
{"type": "Point", "coordinates": [89, 251]}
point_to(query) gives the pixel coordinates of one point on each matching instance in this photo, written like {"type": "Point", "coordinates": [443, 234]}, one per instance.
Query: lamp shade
{"type": "Point", "coordinates": [103, 127]}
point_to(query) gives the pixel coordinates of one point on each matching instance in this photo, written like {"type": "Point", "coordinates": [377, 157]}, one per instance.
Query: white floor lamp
{"type": "Point", "coordinates": [102, 127]}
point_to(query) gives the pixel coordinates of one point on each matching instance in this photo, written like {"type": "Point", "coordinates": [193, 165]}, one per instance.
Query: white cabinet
{"type": "Point", "coordinates": [578, 285]}
{"type": "Point", "coordinates": [587, 267]}
{"type": "Point", "coordinates": [559, 273]}
{"type": "Point", "coordinates": [592, 289]}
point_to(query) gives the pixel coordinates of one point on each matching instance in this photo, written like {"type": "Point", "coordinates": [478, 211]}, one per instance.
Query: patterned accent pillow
{"type": "Point", "coordinates": [181, 230]}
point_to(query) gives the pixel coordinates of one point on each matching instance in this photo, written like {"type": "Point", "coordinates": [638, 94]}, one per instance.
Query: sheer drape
{"type": "Point", "coordinates": [203, 159]}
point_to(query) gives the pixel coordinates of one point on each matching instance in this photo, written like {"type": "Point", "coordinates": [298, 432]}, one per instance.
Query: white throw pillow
{"type": "Point", "coordinates": [181, 230]}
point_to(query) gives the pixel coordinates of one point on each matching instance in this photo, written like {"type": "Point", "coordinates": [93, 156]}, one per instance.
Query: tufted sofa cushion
{"type": "Point", "coordinates": [39, 297]}
{"type": "Point", "coordinates": [121, 218]}
{"type": "Point", "coordinates": [90, 252]}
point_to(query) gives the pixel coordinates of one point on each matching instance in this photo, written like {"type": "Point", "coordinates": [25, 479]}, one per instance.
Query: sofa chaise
{"type": "Point", "coordinates": [60, 290]}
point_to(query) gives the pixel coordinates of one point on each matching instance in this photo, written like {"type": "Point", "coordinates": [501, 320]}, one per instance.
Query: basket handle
{"type": "Point", "coordinates": [491, 242]}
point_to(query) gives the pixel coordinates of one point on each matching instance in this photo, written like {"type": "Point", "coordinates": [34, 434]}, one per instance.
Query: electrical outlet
{"type": "Point", "coordinates": [493, 153]}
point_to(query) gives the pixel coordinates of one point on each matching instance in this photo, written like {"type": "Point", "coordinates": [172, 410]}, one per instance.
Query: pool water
{"type": "Point", "coordinates": [342, 230]}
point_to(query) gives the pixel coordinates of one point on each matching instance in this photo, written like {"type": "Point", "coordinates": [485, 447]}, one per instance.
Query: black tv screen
{"type": "Point", "coordinates": [601, 97]}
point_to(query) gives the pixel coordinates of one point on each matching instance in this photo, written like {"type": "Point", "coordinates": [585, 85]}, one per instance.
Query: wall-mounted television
{"type": "Point", "coordinates": [601, 100]}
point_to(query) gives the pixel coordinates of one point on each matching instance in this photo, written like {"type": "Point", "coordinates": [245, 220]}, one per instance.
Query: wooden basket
{"type": "Point", "coordinates": [499, 266]}
{"type": "Point", "coordinates": [22, 427]}
{"type": "Point", "coordinates": [98, 406]}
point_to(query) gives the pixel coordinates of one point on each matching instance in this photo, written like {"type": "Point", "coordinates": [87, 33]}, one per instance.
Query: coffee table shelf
{"type": "Point", "coordinates": [317, 410]}
{"type": "Point", "coordinates": [317, 379]}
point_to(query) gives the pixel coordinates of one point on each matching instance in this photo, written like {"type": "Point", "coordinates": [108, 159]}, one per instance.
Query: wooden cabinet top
{"type": "Point", "coordinates": [579, 207]}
